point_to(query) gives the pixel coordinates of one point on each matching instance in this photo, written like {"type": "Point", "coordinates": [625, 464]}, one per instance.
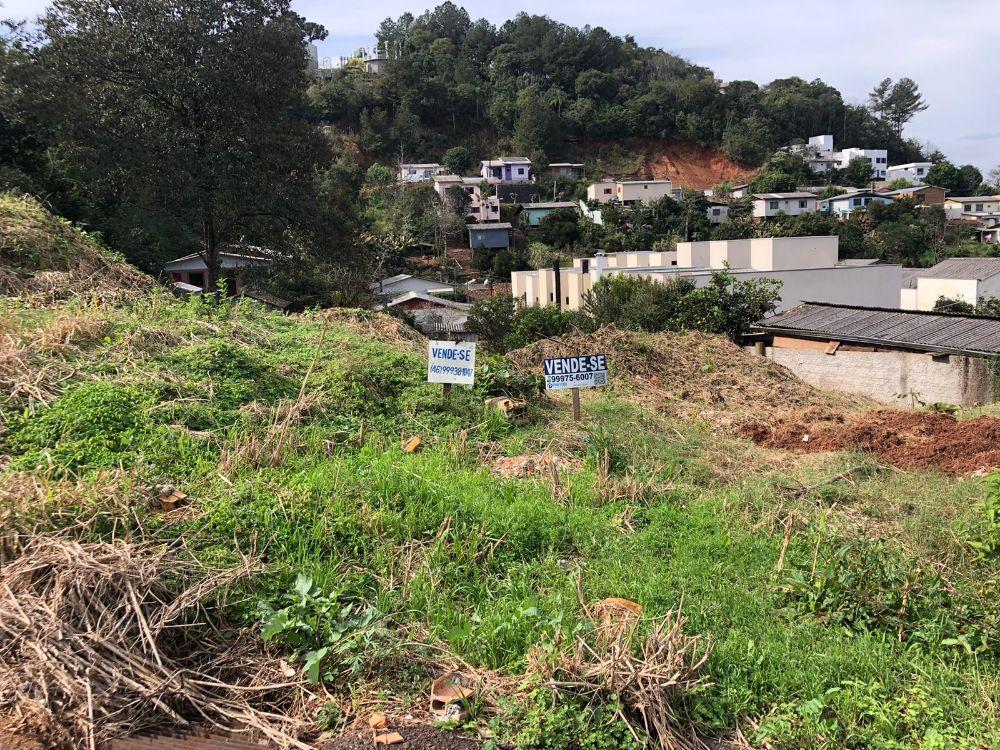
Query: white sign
{"type": "Point", "coordinates": [588, 371]}
{"type": "Point", "coordinates": [448, 362]}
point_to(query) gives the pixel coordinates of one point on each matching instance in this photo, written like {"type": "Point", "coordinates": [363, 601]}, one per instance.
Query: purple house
{"type": "Point", "coordinates": [507, 169]}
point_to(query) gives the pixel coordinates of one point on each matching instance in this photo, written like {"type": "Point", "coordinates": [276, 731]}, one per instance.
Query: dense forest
{"type": "Point", "coordinates": [538, 83]}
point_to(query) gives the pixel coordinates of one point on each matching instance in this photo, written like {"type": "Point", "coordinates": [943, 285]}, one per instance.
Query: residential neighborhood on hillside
{"type": "Point", "coordinates": [564, 376]}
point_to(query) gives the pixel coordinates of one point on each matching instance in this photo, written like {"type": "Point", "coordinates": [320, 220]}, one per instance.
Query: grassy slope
{"type": "Point", "coordinates": [167, 392]}
{"type": "Point", "coordinates": [846, 645]}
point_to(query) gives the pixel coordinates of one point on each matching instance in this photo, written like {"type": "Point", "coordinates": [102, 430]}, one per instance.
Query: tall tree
{"type": "Point", "coordinates": [897, 103]}
{"type": "Point", "coordinates": [190, 111]}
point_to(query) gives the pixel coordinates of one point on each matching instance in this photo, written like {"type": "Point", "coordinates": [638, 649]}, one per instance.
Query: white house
{"type": "Point", "coordinates": [419, 172]}
{"type": "Point", "coordinates": [965, 279]}
{"type": "Point", "coordinates": [394, 286]}
{"type": "Point", "coordinates": [878, 157]}
{"type": "Point", "coordinates": [482, 209]}
{"type": "Point", "coordinates": [433, 314]}
{"type": "Point", "coordinates": [915, 172]}
{"type": "Point", "coordinates": [972, 207]}
{"type": "Point", "coordinates": [845, 205]}
{"type": "Point", "coordinates": [768, 205]}
{"type": "Point", "coordinates": [506, 169]}
{"type": "Point", "coordinates": [629, 192]}
{"type": "Point", "coordinates": [236, 266]}
{"type": "Point", "coordinates": [807, 268]}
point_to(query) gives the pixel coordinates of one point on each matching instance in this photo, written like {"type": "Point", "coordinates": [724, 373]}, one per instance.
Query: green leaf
{"type": "Point", "coordinates": [313, 661]}
{"type": "Point", "coordinates": [276, 623]}
{"type": "Point", "coordinates": [303, 584]}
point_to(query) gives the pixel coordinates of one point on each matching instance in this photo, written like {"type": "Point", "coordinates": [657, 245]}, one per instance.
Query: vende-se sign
{"type": "Point", "coordinates": [448, 362]}
{"type": "Point", "coordinates": [588, 371]}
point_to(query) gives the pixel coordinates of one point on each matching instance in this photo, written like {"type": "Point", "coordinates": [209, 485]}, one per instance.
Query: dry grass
{"type": "Point", "coordinates": [98, 639]}
{"type": "Point", "coordinates": [45, 260]}
{"type": "Point", "coordinates": [33, 363]}
{"type": "Point", "coordinates": [648, 666]}
{"type": "Point", "coordinates": [690, 375]}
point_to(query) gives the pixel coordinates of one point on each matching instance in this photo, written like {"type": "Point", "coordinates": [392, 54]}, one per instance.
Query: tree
{"type": "Point", "coordinates": [536, 132]}
{"type": "Point", "coordinates": [729, 306]}
{"type": "Point", "coordinates": [492, 319]}
{"type": "Point", "coordinates": [896, 103]}
{"type": "Point", "coordinates": [858, 172]}
{"type": "Point", "coordinates": [635, 303]}
{"type": "Point", "coordinates": [971, 179]}
{"type": "Point", "coordinates": [457, 160]}
{"type": "Point", "coordinates": [186, 112]}
{"type": "Point", "coordinates": [944, 174]}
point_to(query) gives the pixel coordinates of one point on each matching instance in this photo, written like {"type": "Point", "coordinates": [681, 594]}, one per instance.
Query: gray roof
{"type": "Point", "coordinates": [495, 225]}
{"type": "Point", "coordinates": [550, 204]}
{"type": "Point", "coordinates": [860, 262]}
{"type": "Point", "coordinates": [963, 268]}
{"type": "Point", "coordinates": [911, 190]}
{"type": "Point", "coordinates": [905, 329]}
{"type": "Point", "coordinates": [910, 276]}
{"type": "Point", "coordinates": [782, 196]}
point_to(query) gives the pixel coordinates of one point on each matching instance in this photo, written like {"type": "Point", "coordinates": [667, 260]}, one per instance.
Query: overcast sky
{"type": "Point", "coordinates": [950, 47]}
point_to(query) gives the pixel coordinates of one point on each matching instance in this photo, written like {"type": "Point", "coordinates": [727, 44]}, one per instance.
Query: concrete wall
{"type": "Point", "coordinates": [735, 253]}
{"type": "Point", "coordinates": [930, 290]}
{"type": "Point", "coordinates": [908, 299]}
{"type": "Point", "coordinates": [902, 378]}
{"type": "Point", "coordinates": [779, 253]}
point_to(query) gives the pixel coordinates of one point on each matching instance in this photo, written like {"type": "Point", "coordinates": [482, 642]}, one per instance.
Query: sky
{"type": "Point", "coordinates": [949, 47]}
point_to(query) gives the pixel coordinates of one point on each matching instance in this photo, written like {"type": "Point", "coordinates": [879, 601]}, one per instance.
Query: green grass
{"type": "Point", "coordinates": [487, 567]}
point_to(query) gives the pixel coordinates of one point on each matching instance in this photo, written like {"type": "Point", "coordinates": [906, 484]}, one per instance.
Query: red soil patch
{"type": "Point", "coordinates": [690, 165]}
{"type": "Point", "coordinates": [907, 439]}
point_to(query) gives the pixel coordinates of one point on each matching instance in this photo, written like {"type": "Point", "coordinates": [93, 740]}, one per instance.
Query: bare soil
{"type": "Point", "coordinates": [907, 439]}
{"type": "Point", "coordinates": [415, 737]}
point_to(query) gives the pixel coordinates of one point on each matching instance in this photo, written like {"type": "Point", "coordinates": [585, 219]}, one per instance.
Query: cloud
{"type": "Point", "coordinates": [980, 136]}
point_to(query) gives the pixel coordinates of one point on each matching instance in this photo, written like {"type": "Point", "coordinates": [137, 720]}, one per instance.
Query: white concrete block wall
{"type": "Point", "coordinates": [902, 378]}
{"type": "Point", "coordinates": [929, 291]}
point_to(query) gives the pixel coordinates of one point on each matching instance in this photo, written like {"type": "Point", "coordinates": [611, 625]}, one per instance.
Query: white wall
{"type": "Point", "coordinates": [777, 253]}
{"type": "Point", "coordinates": [735, 253]}
{"type": "Point", "coordinates": [767, 207]}
{"type": "Point", "coordinates": [930, 290]}
{"type": "Point", "coordinates": [908, 299]}
{"type": "Point", "coordinates": [693, 254]}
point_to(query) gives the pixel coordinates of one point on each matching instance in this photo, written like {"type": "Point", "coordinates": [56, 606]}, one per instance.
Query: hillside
{"type": "Point", "coordinates": [684, 163]}
{"type": "Point", "coordinates": [207, 513]}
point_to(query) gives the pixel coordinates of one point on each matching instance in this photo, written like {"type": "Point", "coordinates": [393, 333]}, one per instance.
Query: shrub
{"type": "Point", "coordinates": [637, 304]}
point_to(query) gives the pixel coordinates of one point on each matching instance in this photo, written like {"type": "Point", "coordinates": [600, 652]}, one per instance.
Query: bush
{"type": "Point", "coordinates": [727, 305]}
{"type": "Point", "coordinates": [533, 323]}
{"type": "Point", "coordinates": [637, 304]}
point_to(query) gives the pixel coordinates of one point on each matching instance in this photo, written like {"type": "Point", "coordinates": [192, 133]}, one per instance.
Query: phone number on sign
{"type": "Point", "coordinates": [579, 377]}
{"type": "Point", "coordinates": [451, 370]}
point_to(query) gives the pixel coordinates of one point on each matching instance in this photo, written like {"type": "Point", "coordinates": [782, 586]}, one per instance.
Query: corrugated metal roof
{"type": "Point", "coordinates": [963, 268]}
{"type": "Point", "coordinates": [481, 227]}
{"type": "Point", "coordinates": [924, 331]}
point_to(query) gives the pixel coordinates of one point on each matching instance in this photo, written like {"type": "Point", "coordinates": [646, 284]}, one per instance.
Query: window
{"type": "Point", "coordinates": [645, 187]}
{"type": "Point", "coordinates": [920, 170]}
{"type": "Point", "coordinates": [607, 191]}
{"type": "Point", "coordinates": [196, 278]}
{"type": "Point", "coordinates": [856, 202]}
{"type": "Point", "coordinates": [773, 205]}
{"type": "Point", "coordinates": [979, 208]}
{"type": "Point", "coordinates": [716, 212]}
{"type": "Point", "coordinates": [520, 170]}
{"type": "Point", "coordinates": [802, 204]}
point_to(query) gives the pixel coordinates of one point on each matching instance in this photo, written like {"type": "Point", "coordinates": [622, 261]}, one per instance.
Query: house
{"type": "Point", "coordinates": [822, 158]}
{"type": "Point", "coordinates": [768, 205]}
{"type": "Point", "coordinates": [894, 356]}
{"type": "Point", "coordinates": [402, 283]}
{"type": "Point", "coordinates": [376, 64]}
{"type": "Point", "coordinates": [807, 267]}
{"type": "Point", "coordinates": [481, 209]}
{"type": "Point", "coordinates": [845, 205]}
{"type": "Point", "coordinates": [533, 213]}
{"type": "Point", "coordinates": [507, 169]}
{"type": "Point", "coordinates": [878, 157]}
{"type": "Point", "coordinates": [565, 169]}
{"type": "Point", "coordinates": [489, 236]}
{"type": "Point", "coordinates": [927, 195]}
{"type": "Point", "coordinates": [717, 212]}
{"type": "Point", "coordinates": [433, 314]}
{"type": "Point", "coordinates": [915, 172]}
{"type": "Point", "coordinates": [988, 233]}
{"type": "Point", "coordinates": [419, 172]}
{"type": "Point", "coordinates": [237, 266]}
{"type": "Point", "coordinates": [972, 207]}
{"type": "Point", "coordinates": [629, 192]}
{"type": "Point", "coordinates": [965, 279]}
{"type": "Point", "coordinates": [740, 191]}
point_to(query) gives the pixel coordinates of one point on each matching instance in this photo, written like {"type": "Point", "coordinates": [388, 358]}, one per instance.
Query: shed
{"type": "Point", "coordinates": [236, 265]}
{"type": "Point", "coordinates": [489, 236]}
{"type": "Point", "coordinates": [904, 357]}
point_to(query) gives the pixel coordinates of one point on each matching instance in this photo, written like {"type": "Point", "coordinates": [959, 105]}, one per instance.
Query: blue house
{"type": "Point", "coordinates": [506, 169]}
{"type": "Point", "coordinates": [533, 213]}
{"type": "Point", "coordinates": [489, 236]}
{"type": "Point", "coordinates": [845, 205]}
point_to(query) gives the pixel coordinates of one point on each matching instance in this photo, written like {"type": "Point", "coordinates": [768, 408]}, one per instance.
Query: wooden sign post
{"type": "Point", "coordinates": [574, 373]}
{"type": "Point", "coordinates": [451, 362]}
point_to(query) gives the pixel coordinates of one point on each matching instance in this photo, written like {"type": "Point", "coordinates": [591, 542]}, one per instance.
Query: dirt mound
{"type": "Point", "coordinates": [379, 327]}
{"type": "Point", "coordinates": [907, 439]}
{"type": "Point", "coordinates": [45, 259]}
{"type": "Point", "coordinates": [691, 374]}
